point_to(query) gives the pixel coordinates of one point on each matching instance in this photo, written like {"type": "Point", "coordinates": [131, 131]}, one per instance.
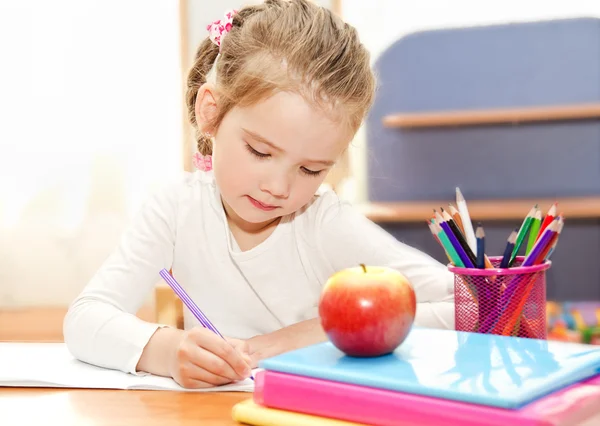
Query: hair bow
{"type": "Point", "coordinates": [202, 162]}
{"type": "Point", "coordinates": [220, 27]}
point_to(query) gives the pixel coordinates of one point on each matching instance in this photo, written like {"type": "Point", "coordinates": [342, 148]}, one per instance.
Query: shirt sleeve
{"type": "Point", "coordinates": [101, 327]}
{"type": "Point", "coordinates": [347, 239]}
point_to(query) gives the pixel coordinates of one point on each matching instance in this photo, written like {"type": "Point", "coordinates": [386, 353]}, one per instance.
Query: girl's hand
{"type": "Point", "coordinates": [243, 348]}
{"type": "Point", "coordinates": [203, 359]}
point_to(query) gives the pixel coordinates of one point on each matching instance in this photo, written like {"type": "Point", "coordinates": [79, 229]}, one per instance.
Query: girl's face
{"type": "Point", "coordinates": [270, 158]}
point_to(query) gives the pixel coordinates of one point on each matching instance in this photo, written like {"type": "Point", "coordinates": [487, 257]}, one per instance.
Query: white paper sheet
{"type": "Point", "coordinates": [52, 365]}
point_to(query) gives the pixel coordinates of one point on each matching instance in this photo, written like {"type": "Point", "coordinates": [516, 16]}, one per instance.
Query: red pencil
{"type": "Point", "coordinates": [544, 253]}
{"type": "Point", "coordinates": [552, 244]}
{"type": "Point", "coordinates": [547, 220]}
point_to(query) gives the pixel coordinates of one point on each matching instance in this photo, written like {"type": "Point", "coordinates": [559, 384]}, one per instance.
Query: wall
{"type": "Point", "coordinates": [381, 22]}
{"type": "Point", "coordinates": [453, 69]}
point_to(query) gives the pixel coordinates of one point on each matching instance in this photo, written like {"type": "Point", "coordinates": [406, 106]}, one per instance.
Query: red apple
{"type": "Point", "coordinates": [367, 310]}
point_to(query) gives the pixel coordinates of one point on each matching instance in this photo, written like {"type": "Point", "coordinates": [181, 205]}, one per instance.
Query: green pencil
{"type": "Point", "coordinates": [534, 230]}
{"type": "Point", "coordinates": [525, 226]}
{"type": "Point", "coordinates": [439, 232]}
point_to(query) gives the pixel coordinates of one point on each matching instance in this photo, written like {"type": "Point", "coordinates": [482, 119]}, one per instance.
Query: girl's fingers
{"type": "Point", "coordinates": [196, 377]}
{"type": "Point", "coordinates": [223, 360]}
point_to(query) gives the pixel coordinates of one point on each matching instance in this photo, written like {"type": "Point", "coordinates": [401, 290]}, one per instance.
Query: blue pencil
{"type": "Point", "coordinates": [510, 245]}
{"type": "Point", "coordinates": [480, 236]}
{"type": "Point", "coordinates": [187, 300]}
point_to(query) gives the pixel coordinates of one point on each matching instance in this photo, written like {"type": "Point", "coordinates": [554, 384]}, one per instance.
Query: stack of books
{"type": "Point", "coordinates": [436, 377]}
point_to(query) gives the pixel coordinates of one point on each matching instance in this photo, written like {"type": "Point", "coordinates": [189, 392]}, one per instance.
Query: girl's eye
{"type": "Point", "coordinates": [257, 153]}
{"type": "Point", "coordinates": [264, 156]}
{"type": "Point", "coordinates": [310, 172]}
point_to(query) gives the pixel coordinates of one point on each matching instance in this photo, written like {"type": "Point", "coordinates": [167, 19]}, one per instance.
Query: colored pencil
{"type": "Point", "coordinates": [466, 220]}
{"type": "Point", "coordinates": [431, 224]}
{"type": "Point", "coordinates": [459, 236]}
{"type": "Point", "coordinates": [480, 235]}
{"type": "Point", "coordinates": [560, 228]}
{"type": "Point", "coordinates": [456, 217]}
{"type": "Point", "coordinates": [530, 260]}
{"type": "Point", "coordinates": [553, 240]}
{"type": "Point", "coordinates": [457, 246]}
{"type": "Point", "coordinates": [456, 225]}
{"type": "Point", "coordinates": [187, 300]}
{"type": "Point", "coordinates": [547, 220]}
{"type": "Point", "coordinates": [488, 264]}
{"type": "Point", "coordinates": [540, 244]}
{"type": "Point", "coordinates": [442, 238]}
{"type": "Point", "coordinates": [510, 244]}
{"type": "Point", "coordinates": [534, 230]}
{"type": "Point", "coordinates": [521, 235]}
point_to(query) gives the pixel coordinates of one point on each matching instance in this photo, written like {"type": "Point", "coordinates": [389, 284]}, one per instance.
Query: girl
{"type": "Point", "coordinates": [276, 93]}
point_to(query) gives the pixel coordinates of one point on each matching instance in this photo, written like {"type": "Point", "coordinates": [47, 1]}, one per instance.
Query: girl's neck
{"type": "Point", "coordinates": [248, 235]}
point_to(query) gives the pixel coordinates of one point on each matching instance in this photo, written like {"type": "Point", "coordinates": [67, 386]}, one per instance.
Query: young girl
{"type": "Point", "coordinates": [276, 93]}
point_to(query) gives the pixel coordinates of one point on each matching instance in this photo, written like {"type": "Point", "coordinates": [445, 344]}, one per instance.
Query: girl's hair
{"type": "Point", "coordinates": [285, 46]}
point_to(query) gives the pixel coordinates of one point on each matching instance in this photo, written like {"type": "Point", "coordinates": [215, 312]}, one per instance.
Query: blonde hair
{"type": "Point", "coordinates": [285, 45]}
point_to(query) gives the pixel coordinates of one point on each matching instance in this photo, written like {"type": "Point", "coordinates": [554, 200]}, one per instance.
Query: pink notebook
{"type": "Point", "coordinates": [574, 405]}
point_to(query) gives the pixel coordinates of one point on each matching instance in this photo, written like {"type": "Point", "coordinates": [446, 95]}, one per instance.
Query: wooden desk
{"type": "Point", "coordinates": [83, 407]}
{"type": "Point", "coordinates": [65, 407]}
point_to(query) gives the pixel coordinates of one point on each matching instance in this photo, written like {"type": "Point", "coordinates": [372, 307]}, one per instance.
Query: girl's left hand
{"type": "Point", "coordinates": [262, 347]}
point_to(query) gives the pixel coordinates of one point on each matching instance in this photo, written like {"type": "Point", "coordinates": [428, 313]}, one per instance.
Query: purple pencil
{"type": "Point", "coordinates": [194, 309]}
{"type": "Point", "coordinates": [179, 291]}
{"type": "Point", "coordinates": [541, 244]}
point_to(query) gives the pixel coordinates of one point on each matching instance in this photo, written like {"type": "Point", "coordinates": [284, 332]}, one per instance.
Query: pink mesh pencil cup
{"type": "Point", "coordinates": [510, 301]}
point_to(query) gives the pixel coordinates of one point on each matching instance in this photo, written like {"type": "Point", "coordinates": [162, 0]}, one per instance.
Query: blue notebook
{"type": "Point", "coordinates": [486, 369]}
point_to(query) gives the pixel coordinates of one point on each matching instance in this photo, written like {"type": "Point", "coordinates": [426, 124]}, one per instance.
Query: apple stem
{"type": "Point", "coordinates": [364, 267]}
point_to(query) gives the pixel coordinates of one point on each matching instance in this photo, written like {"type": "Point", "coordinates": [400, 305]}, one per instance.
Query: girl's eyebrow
{"type": "Point", "coordinates": [261, 139]}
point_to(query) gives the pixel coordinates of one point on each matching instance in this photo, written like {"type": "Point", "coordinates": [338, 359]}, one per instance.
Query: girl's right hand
{"type": "Point", "coordinates": [204, 359]}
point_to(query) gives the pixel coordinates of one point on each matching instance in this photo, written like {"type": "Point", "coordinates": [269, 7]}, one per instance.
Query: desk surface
{"type": "Point", "coordinates": [83, 407]}
{"type": "Point", "coordinates": [29, 406]}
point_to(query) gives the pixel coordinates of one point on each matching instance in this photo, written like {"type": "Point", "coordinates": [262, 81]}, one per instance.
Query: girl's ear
{"type": "Point", "coordinates": [206, 107]}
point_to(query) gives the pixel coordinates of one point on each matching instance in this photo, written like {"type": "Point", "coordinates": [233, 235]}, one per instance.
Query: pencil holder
{"type": "Point", "coordinates": [510, 302]}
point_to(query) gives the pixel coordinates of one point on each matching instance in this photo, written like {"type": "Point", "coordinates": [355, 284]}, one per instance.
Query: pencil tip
{"type": "Point", "coordinates": [479, 233]}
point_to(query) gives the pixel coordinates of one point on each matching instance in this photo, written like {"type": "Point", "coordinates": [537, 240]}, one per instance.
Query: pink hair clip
{"type": "Point", "coordinates": [202, 162]}
{"type": "Point", "coordinates": [220, 27]}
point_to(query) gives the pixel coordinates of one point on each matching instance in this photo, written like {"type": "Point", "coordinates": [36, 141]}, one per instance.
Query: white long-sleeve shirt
{"type": "Point", "coordinates": [244, 293]}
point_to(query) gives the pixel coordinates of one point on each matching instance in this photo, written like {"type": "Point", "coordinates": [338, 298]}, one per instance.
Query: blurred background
{"type": "Point", "coordinates": [92, 119]}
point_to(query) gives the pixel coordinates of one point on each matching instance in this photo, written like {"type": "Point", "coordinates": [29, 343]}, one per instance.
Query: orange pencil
{"type": "Point", "coordinates": [456, 216]}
